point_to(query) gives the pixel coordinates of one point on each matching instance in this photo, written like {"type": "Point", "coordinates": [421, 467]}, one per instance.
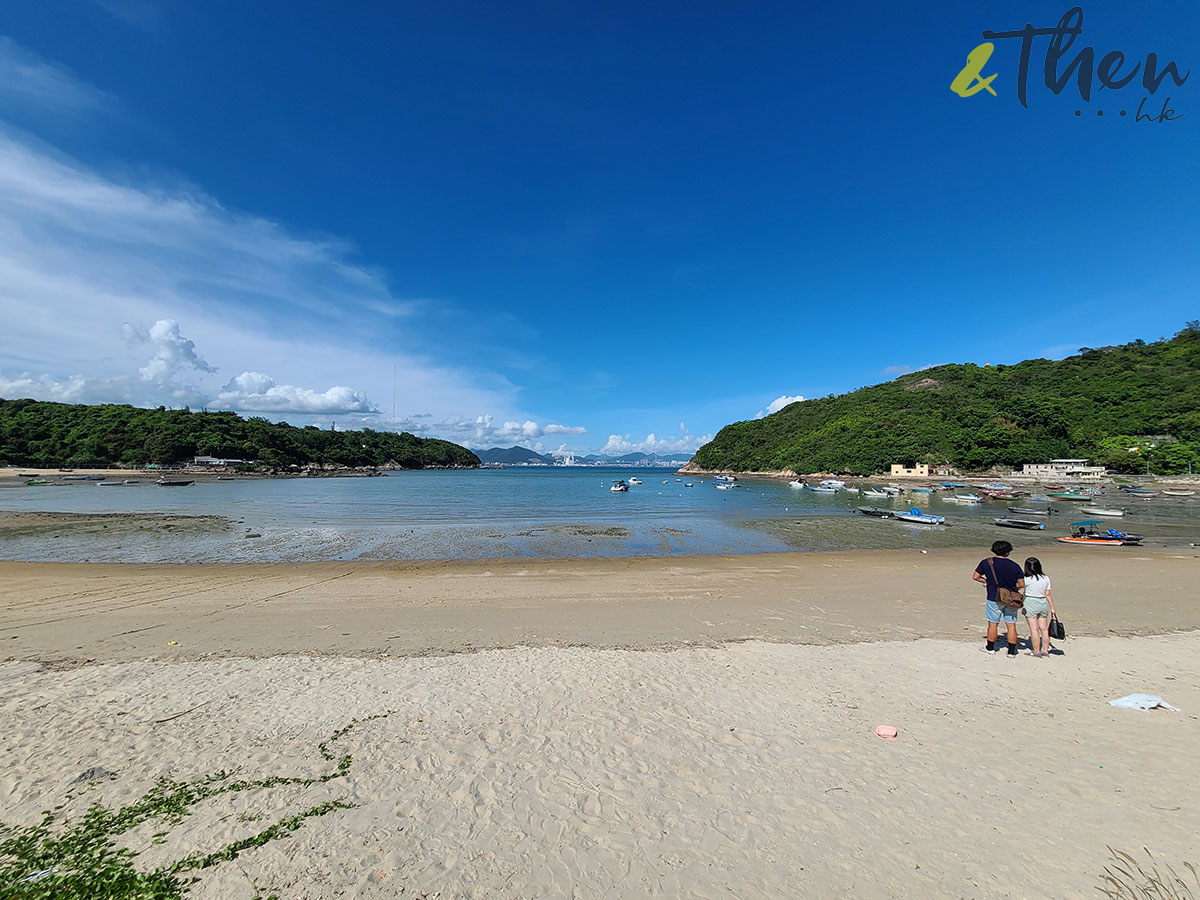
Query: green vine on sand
{"type": "Point", "coordinates": [81, 861]}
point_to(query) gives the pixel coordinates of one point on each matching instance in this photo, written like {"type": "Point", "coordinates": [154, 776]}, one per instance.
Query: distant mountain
{"type": "Point", "coordinates": [514, 456]}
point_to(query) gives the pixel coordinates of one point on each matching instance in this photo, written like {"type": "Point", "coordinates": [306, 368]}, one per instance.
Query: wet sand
{"type": "Point", "coordinates": [122, 612]}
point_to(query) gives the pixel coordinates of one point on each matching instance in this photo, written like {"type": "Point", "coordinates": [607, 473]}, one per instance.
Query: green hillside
{"type": "Point", "coordinates": [1096, 405]}
{"type": "Point", "coordinates": [36, 433]}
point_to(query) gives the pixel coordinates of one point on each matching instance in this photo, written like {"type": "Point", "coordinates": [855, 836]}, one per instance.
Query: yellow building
{"type": "Point", "coordinates": [920, 470]}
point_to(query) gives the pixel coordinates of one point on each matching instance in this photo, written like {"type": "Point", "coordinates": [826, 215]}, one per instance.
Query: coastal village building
{"type": "Point", "coordinates": [1065, 468]}
{"type": "Point", "coordinates": [920, 470]}
{"type": "Point", "coordinates": [214, 461]}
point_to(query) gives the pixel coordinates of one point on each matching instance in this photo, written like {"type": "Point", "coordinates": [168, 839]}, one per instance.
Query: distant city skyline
{"type": "Point", "coordinates": [582, 229]}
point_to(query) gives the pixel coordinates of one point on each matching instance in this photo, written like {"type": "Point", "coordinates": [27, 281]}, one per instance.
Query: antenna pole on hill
{"type": "Point", "coordinates": [393, 398]}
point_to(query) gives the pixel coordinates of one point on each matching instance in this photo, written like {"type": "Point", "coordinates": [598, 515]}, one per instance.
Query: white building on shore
{"type": "Point", "coordinates": [1075, 469]}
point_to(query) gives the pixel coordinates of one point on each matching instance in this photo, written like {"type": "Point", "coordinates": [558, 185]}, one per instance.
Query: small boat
{"type": "Point", "coordinates": [1034, 510]}
{"type": "Point", "coordinates": [688, 484]}
{"type": "Point", "coordinates": [850, 490]}
{"type": "Point", "coordinates": [797, 484]}
{"type": "Point", "coordinates": [163, 482]}
{"type": "Point", "coordinates": [635, 481]}
{"type": "Point", "coordinates": [1000, 495]}
{"type": "Point", "coordinates": [1096, 541]}
{"type": "Point", "coordinates": [130, 481]}
{"type": "Point", "coordinates": [833, 482]}
{"type": "Point", "coordinates": [109, 483]}
{"type": "Point", "coordinates": [1097, 511]}
{"type": "Point", "coordinates": [1084, 532]}
{"type": "Point", "coordinates": [72, 477]}
{"type": "Point", "coordinates": [34, 482]}
{"type": "Point", "coordinates": [93, 477]}
{"type": "Point", "coordinates": [724, 486]}
{"type": "Point", "coordinates": [969, 498]}
{"type": "Point", "coordinates": [1178, 492]}
{"type": "Point", "coordinates": [1021, 523]}
{"type": "Point", "coordinates": [875, 511]}
{"type": "Point", "coordinates": [618, 486]}
{"type": "Point", "coordinates": [1143, 491]}
{"type": "Point", "coordinates": [1054, 487]}
{"type": "Point", "coordinates": [915, 515]}
{"type": "Point", "coordinates": [953, 484]}
{"type": "Point", "coordinates": [724, 478]}
{"type": "Point", "coordinates": [1070, 496]}
{"type": "Point", "coordinates": [875, 493]}
{"type": "Point", "coordinates": [822, 489]}
{"type": "Point", "coordinates": [922, 490]}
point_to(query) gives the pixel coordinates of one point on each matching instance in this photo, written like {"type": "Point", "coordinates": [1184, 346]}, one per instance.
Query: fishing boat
{"type": "Point", "coordinates": [35, 482]}
{"type": "Point", "coordinates": [969, 498]}
{"type": "Point", "coordinates": [725, 486]}
{"type": "Point", "coordinates": [915, 515]}
{"type": "Point", "coordinates": [1033, 510]}
{"type": "Point", "coordinates": [1106, 513]}
{"type": "Point", "coordinates": [874, 493]}
{"type": "Point", "coordinates": [618, 486]}
{"type": "Point", "coordinates": [922, 490]}
{"type": "Point", "coordinates": [1178, 492]}
{"type": "Point", "coordinates": [1137, 490]}
{"type": "Point", "coordinates": [953, 484]}
{"type": "Point", "coordinates": [1027, 524]}
{"type": "Point", "coordinates": [1000, 495]}
{"type": "Point", "coordinates": [163, 482]}
{"type": "Point", "coordinates": [875, 511]}
{"type": "Point", "coordinates": [1070, 496]}
{"type": "Point", "coordinates": [822, 489]}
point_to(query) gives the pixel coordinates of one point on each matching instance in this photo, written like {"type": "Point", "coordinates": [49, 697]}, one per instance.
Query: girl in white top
{"type": "Point", "coordinates": [1039, 606]}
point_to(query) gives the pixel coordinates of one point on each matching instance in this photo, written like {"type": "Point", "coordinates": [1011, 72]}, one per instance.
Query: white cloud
{"type": "Point", "coordinates": [618, 445]}
{"type": "Point", "coordinates": [564, 429]}
{"type": "Point", "coordinates": [174, 352]}
{"type": "Point", "coordinates": [30, 85]}
{"type": "Point", "coordinates": [256, 392]}
{"type": "Point", "coordinates": [779, 403]}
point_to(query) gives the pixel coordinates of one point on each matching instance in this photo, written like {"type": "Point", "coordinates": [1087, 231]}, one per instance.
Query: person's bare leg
{"type": "Point", "coordinates": [1035, 636]}
{"type": "Point", "coordinates": [1044, 627]}
{"type": "Point", "coordinates": [992, 632]}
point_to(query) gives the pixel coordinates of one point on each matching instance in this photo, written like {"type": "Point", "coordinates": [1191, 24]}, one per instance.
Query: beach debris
{"type": "Point", "coordinates": [95, 773]}
{"type": "Point", "coordinates": [1144, 702]}
{"type": "Point", "coordinates": [172, 643]}
{"type": "Point", "coordinates": [887, 731]}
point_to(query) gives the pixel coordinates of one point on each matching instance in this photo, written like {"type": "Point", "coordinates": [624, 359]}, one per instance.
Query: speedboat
{"type": "Point", "coordinates": [797, 484]}
{"type": "Point", "coordinates": [725, 486]}
{"type": "Point", "coordinates": [1085, 533]}
{"type": "Point", "coordinates": [875, 511]}
{"type": "Point", "coordinates": [1021, 523]}
{"type": "Point", "coordinates": [833, 483]}
{"type": "Point", "coordinates": [619, 485]}
{"type": "Point", "coordinates": [915, 515]}
{"type": "Point", "coordinates": [635, 481]}
{"type": "Point", "coordinates": [822, 489]}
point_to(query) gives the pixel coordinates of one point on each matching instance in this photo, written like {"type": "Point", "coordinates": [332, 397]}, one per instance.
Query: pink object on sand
{"type": "Point", "coordinates": [886, 731]}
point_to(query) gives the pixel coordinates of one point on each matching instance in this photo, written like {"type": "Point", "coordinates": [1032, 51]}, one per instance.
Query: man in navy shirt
{"type": "Point", "coordinates": [1008, 575]}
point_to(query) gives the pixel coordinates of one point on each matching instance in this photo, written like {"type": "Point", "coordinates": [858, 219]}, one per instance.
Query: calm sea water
{"type": "Point", "coordinates": [522, 512]}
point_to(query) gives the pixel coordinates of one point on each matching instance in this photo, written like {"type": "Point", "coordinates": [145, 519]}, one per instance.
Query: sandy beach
{"type": "Point", "coordinates": [613, 728]}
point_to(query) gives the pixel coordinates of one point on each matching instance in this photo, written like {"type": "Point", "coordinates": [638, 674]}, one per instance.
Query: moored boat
{"type": "Point", "coordinates": [874, 493]}
{"type": "Point", "coordinates": [635, 481]}
{"type": "Point", "coordinates": [1097, 511]}
{"type": "Point", "coordinates": [618, 486]}
{"type": "Point", "coordinates": [1021, 523]}
{"type": "Point", "coordinates": [875, 511]}
{"type": "Point", "coordinates": [164, 482]}
{"type": "Point", "coordinates": [1033, 510]}
{"type": "Point", "coordinates": [1070, 496]}
{"type": "Point", "coordinates": [797, 483]}
{"type": "Point", "coordinates": [822, 489]}
{"type": "Point", "coordinates": [1178, 492]}
{"type": "Point", "coordinates": [915, 515]}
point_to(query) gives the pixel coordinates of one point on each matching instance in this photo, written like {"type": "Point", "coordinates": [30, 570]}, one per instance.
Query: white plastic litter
{"type": "Point", "coordinates": [1143, 702]}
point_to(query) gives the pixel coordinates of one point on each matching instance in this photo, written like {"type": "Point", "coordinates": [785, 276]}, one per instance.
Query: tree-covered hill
{"type": "Point", "coordinates": [1098, 405]}
{"type": "Point", "coordinates": [36, 433]}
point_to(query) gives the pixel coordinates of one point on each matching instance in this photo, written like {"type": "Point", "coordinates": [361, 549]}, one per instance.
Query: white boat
{"type": "Point", "coordinates": [635, 481]}
{"type": "Point", "coordinates": [619, 485]}
{"type": "Point", "coordinates": [892, 490]}
{"type": "Point", "coordinates": [1106, 513]}
{"type": "Point", "coordinates": [687, 484]}
{"type": "Point", "coordinates": [874, 493]}
{"type": "Point", "coordinates": [823, 489]}
{"type": "Point", "coordinates": [724, 478]}
{"type": "Point", "coordinates": [797, 483]}
{"type": "Point", "coordinates": [915, 515]}
{"type": "Point", "coordinates": [109, 483]}
{"type": "Point", "coordinates": [969, 498]}
{"type": "Point", "coordinates": [833, 482]}
{"type": "Point", "coordinates": [725, 486]}
{"type": "Point", "coordinates": [850, 490]}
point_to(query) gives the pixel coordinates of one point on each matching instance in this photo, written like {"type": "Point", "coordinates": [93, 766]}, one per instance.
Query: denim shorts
{"type": "Point", "coordinates": [996, 613]}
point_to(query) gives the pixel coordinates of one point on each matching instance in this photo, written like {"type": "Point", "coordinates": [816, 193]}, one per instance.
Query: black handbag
{"type": "Point", "coordinates": [1058, 631]}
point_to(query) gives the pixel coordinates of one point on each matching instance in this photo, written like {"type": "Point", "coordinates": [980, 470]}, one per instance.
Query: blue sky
{"type": "Point", "coordinates": [569, 225]}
